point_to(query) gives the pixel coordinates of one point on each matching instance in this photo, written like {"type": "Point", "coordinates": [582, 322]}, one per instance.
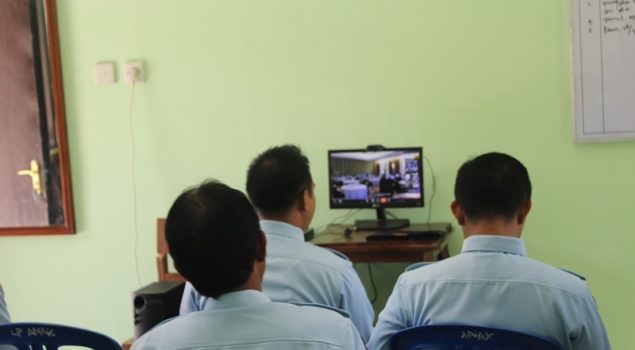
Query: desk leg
{"type": "Point", "coordinates": [444, 253]}
{"type": "Point", "coordinates": [428, 256]}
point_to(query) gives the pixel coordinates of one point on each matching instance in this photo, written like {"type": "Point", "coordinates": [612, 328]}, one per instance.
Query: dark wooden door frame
{"type": "Point", "coordinates": [58, 109]}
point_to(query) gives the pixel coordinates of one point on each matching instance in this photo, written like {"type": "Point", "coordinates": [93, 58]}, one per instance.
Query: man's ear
{"type": "Point", "coordinates": [457, 211]}
{"type": "Point", "coordinates": [261, 246]}
{"type": "Point", "coordinates": [523, 212]}
{"type": "Point", "coordinates": [177, 267]}
{"type": "Point", "coordinates": [305, 197]}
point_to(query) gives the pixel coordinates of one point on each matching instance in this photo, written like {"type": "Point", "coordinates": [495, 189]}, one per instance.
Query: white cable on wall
{"type": "Point", "coordinates": [434, 187]}
{"type": "Point", "coordinates": [134, 184]}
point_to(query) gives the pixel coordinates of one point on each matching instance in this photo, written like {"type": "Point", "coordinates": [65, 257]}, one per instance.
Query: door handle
{"type": "Point", "coordinates": [34, 173]}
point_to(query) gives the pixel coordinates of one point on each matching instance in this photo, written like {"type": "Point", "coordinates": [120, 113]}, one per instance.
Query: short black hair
{"type": "Point", "coordinates": [277, 178]}
{"type": "Point", "coordinates": [211, 231]}
{"type": "Point", "coordinates": [492, 185]}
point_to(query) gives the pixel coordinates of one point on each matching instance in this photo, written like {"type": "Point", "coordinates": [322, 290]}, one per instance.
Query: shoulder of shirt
{"type": "Point", "coordinates": [323, 307]}
{"type": "Point", "coordinates": [152, 332]}
{"type": "Point", "coordinates": [418, 265]}
{"type": "Point", "coordinates": [412, 273]}
{"type": "Point", "coordinates": [568, 281]}
{"type": "Point", "coordinates": [167, 320]}
{"type": "Point", "coordinates": [338, 254]}
{"type": "Point", "coordinates": [310, 253]}
{"type": "Point", "coordinates": [566, 278]}
{"type": "Point", "coordinates": [574, 274]}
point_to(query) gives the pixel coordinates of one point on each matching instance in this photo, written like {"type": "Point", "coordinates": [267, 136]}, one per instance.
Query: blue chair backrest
{"type": "Point", "coordinates": [37, 336]}
{"type": "Point", "coordinates": [455, 337]}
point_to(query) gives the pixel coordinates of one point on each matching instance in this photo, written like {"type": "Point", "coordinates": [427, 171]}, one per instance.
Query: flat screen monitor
{"type": "Point", "coordinates": [377, 178]}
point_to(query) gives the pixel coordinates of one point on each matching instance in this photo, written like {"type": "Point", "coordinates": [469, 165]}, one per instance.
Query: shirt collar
{"type": "Point", "coordinates": [282, 229]}
{"type": "Point", "coordinates": [498, 244]}
{"type": "Point", "coordinates": [238, 299]}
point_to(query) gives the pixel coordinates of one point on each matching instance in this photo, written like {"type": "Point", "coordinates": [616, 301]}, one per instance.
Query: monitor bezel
{"type": "Point", "coordinates": [360, 205]}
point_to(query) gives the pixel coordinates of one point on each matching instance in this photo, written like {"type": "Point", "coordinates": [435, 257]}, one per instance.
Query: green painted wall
{"type": "Point", "coordinates": [226, 79]}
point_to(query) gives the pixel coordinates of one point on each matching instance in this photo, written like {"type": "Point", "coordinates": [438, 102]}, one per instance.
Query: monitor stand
{"type": "Point", "coordinates": [381, 223]}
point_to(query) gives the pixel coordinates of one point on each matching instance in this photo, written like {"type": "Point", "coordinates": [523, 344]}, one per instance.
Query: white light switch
{"type": "Point", "coordinates": [104, 73]}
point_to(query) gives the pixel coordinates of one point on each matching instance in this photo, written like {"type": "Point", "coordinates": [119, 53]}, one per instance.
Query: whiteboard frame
{"type": "Point", "coordinates": [577, 110]}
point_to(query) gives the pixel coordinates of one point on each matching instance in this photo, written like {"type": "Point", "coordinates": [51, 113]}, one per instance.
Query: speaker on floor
{"type": "Point", "coordinates": [154, 303]}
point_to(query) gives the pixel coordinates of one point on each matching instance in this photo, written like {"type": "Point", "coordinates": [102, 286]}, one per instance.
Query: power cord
{"type": "Point", "coordinates": [372, 283]}
{"type": "Point", "coordinates": [391, 214]}
{"type": "Point", "coordinates": [338, 220]}
{"type": "Point", "coordinates": [134, 182]}
{"type": "Point", "coordinates": [434, 189]}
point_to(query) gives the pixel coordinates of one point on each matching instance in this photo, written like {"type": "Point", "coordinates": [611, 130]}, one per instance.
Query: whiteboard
{"type": "Point", "coordinates": [603, 54]}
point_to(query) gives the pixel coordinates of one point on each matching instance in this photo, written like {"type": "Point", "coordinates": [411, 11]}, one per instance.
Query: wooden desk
{"type": "Point", "coordinates": [359, 250]}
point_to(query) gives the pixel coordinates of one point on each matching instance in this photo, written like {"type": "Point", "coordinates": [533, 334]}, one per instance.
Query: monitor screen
{"type": "Point", "coordinates": [386, 178]}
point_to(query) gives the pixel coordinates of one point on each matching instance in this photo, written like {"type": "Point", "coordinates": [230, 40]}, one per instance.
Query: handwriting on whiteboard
{"type": "Point", "coordinates": [617, 17]}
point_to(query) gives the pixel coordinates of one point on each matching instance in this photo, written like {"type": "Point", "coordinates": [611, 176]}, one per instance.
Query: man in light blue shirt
{"type": "Point", "coordinates": [216, 243]}
{"type": "Point", "coordinates": [493, 283]}
{"type": "Point", "coordinates": [4, 312]}
{"type": "Point", "coordinates": [280, 186]}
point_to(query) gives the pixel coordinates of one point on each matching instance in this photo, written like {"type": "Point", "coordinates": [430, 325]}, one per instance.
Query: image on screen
{"type": "Point", "coordinates": [375, 179]}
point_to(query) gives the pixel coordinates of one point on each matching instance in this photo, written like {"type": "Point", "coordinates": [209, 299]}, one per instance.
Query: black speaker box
{"type": "Point", "coordinates": [154, 303]}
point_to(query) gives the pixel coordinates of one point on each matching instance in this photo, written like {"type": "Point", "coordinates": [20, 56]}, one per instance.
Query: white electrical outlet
{"type": "Point", "coordinates": [134, 72]}
{"type": "Point", "coordinates": [104, 73]}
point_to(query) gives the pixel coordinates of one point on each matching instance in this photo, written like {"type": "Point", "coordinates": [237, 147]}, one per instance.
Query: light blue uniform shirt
{"type": "Point", "coordinates": [4, 312]}
{"type": "Point", "coordinates": [493, 283]}
{"type": "Point", "coordinates": [297, 271]}
{"type": "Point", "coordinates": [250, 320]}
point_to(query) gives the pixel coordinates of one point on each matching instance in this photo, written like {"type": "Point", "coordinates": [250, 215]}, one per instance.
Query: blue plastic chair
{"type": "Point", "coordinates": [462, 337]}
{"type": "Point", "coordinates": [37, 336]}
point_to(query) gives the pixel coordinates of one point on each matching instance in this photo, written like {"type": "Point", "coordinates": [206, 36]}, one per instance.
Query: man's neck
{"type": "Point", "coordinates": [495, 227]}
{"type": "Point", "coordinates": [291, 218]}
{"type": "Point", "coordinates": [254, 281]}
